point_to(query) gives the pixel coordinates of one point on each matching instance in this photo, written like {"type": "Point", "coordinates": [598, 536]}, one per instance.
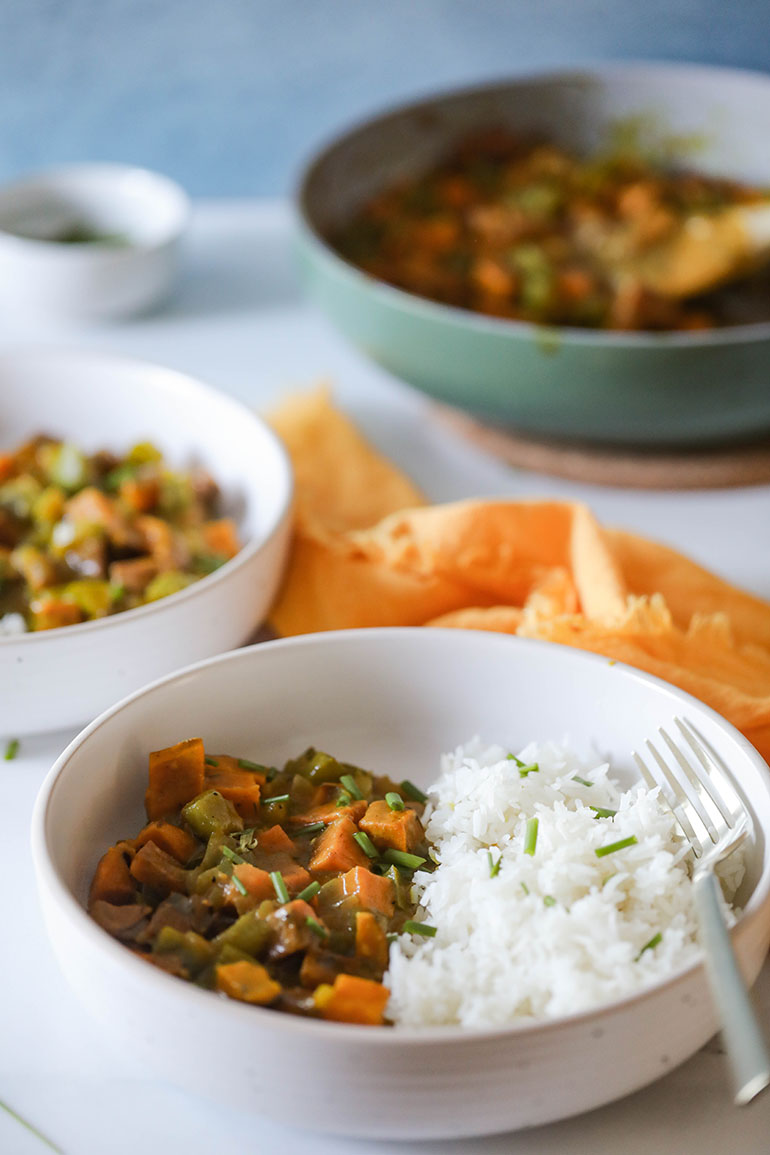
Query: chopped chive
{"type": "Point", "coordinates": [228, 853]}
{"type": "Point", "coordinates": [276, 798]}
{"type": "Point", "coordinates": [12, 749]}
{"type": "Point", "coordinates": [656, 938]}
{"type": "Point", "coordinates": [394, 801]}
{"type": "Point", "coordinates": [494, 867]}
{"type": "Point", "coordinates": [310, 891]}
{"type": "Point", "coordinates": [211, 761]}
{"type": "Point", "coordinates": [533, 768]}
{"type": "Point", "coordinates": [316, 927]}
{"type": "Point", "coordinates": [391, 937]}
{"type": "Point", "coordinates": [343, 800]}
{"type": "Point", "coordinates": [279, 886]}
{"type": "Point", "coordinates": [530, 836]}
{"type": "Point", "coordinates": [239, 885]}
{"type": "Point", "coordinates": [549, 900]}
{"type": "Point", "coordinates": [29, 1127]}
{"type": "Point", "coordinates": [311, 828]}
{"type": "Point", "coordinates": [513, 758]}
{"type": "Point", "coordinates": [422, 928]}
{"type": "Point", "coordinates": [582, 781]}
{"type": "Point", "coordinates": [525, 888]}
{"type": "Point", "coordinates": [245, 764]}
{"type": "Point", "coordinates": [350, 784]}
{"type": "Point", "coordinates": [247, 839]}
{"type": "Point", "coordinates": [402, 858]}
{"type": "Point", "coordinates": [413, 792]}
{"type": "Point", "coordinates": [611, 847]}
{"type": "Point", "coordinates": [603, 811]}
{"type": "Point", "coordinates": [366, 844]}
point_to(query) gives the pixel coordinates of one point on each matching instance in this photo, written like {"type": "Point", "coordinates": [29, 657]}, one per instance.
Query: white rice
{"type": "Point", "coordinates": [11, 625]}
{"type": "Point", "coordinates": [550, 933]}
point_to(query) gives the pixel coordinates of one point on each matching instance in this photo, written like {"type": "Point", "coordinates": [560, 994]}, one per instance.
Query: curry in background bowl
{"type": "Point", "coordinates": [501, 315]}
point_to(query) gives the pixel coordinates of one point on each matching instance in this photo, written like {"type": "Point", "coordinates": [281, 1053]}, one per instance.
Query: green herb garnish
{"type": "Point", "coordinates": [310, 891]}
{"type": "Point", "coordinates": [549, 900]}
{"type": "Point", "coordinates": [611, 847]}
{"type": "Point", "coordinates": [343, 800]}
{"type": "Point", "coordinates": [231, 855]}
{"type": "Point", "coordinates": [316, 927]}
{"type": "Point", "coordinates": [246, 839]}
{"type": "Point", "coordinates": [366, 844]}
{"type": "Point", "coordinates": [422, 928]}
{"type": "Point", "coordinates": [32, 1130]}
{"type": "Point", "coordinates": [413, 792]}
{"type": "Point", "coordinates": [603, 811]}
{"type": "Point", "coordinates": [279, 886]}
{"type": "Point", "coordinates": [494, 867]}
{"type": "Point", "coordinates": [530, 836]}
{"type": "Point", "coordinates": [394, 801]}
{"type": "Point", "coordinates": [276, 798]}
{"type": "Point", "coordinates": [533, 768]}
{"type": "Point", "coordinates": [350, 784]}
{"type": "Point", "coordinates": [582, 781]}
{"type": "Point", "coordinates": [211, 761]}
{"type": "Point", "coordinates": [311, 828]}
{"type": "Point", "coordinates": [11, 749]}
{"type": "Point", "coordinates": [402, 858]}
{"type": "Point", "coordinates": [656, 938]}
{"type": "Point", "coordinates": [513, 758]}
{"type": "Point", "coordinates": [239, 885]}
{"type": "Point", "coordinates": [525, 888]}
{"type": "Point", "coordinates": [245, 764]}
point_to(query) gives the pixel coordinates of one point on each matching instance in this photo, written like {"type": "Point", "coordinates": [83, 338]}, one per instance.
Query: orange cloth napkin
{"type": "Point", "coordinates": [368, 551]}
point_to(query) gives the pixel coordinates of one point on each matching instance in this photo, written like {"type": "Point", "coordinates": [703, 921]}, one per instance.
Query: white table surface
{"type": "Point", "coordinates": [238, 321]}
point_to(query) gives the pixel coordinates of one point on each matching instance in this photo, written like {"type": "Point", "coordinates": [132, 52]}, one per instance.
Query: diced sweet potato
{"type": "Point", "coordinates": [275, 839]}
{"type": "Point", "coordinates": [374, 891]}
{"type": "Point", "coordinates": [241, 787]}
{"type": "Point", "coordinates": [336, 850]}
{"type": "Point", "coordinates": [371, 943]}
{"type": "Point", "coordinates": [351, 999]}
{"type": "Point", "coordinates": [175, 841]}
{"type": "Point", "coordinates": [153, 867]}
{"type": "Point", "coordinates": [112, 880]}
{"type": "Point", "coordinates": [168, 549]}
{"type": "Point", "coordinates": [392, 829]}
{"type": "Point", "coordinates": [135, 574]}
{"type": "Point", "coordinates": [328, 812]}
{"type": "Point", "coordinates": [50, 612]}
{"type": "Point", "coordinates": [295, 877]}
{"type": "Point", "coordinates": [140, 494]}
{"type": "Point", "coordinates": [221, 537]}
{"type": "Point", "coordinates": [257, 882]}
{"type": "Point", "coordinates": [91, 507]}
{"type": "Point", "coordinates": [247, 981]}
{"type": "Point", "coordinates": [176, 777]}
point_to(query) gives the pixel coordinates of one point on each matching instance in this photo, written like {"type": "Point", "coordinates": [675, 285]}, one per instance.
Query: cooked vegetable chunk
{"type": "Point", "coordinates": [176, 777]}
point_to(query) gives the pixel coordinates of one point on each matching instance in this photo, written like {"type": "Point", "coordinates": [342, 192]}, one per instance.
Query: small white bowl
{"type": "Point", "coordinates": [64, 677]}
{"type": "Point", "coordinates": [140, 217]}
{"type": "Point", "coordinates": [392, 701]}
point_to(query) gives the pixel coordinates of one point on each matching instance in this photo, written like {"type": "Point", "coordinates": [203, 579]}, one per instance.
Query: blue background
{"type": "Point", "coordinates": [231, 96]}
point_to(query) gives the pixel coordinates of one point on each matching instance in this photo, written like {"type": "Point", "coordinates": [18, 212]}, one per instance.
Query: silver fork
{"type": "Point", "coordinates": [715, 822]}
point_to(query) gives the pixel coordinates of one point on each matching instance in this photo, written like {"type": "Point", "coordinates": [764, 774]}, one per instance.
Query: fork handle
{"type": "Point", "coordinates": [746, 1048]}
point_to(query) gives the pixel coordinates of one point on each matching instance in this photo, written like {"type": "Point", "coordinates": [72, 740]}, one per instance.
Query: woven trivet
{"type": "Point", "coordinates": [626, 468]}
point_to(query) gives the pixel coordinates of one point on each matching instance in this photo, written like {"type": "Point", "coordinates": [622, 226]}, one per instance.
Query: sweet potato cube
{"type": "Point", "coordinates": [153, 867]}
{"type": "Point", "coordinates": [93, 508]}
{"type": "Point", "coordinates": [176, 777]}
{"type": "Point", "coordinates": [221, 537]}
{"type": "Point", "coordinates": [247, 981]}
{"type": "Point", "coordinates": [112, 880]}
{"type": "Point", "coordinates": [328, 812]}
{"type": "Point", "coordinates": [336, 849]}
{"type": "Point", "coordinates": [371, 943]}
{"type": "Point", "coordinates": [275, 839]}
{"type": "Point", "coordinates": [374, 891]}
{"type": "Point", "coordinates": [257, 882]}
{"type": "Point", "coordinates": [241, 787]}
{"type": "Point", "coordinates": [175, 841]}
{"type": "Point", "coordinates": [351, 999]}
{"type": "Point", "coordinates": [392, 829]}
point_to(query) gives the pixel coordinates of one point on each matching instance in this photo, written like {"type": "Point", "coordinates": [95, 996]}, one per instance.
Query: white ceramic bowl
{"type": "Point", "coordinates": [39, 274]}
{"type": "Point", "coordinates": [66, 676]}
{"type": "Point", "coordinates": [391, 700]}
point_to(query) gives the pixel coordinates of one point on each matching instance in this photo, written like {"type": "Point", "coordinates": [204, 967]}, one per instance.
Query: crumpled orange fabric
{"type": "Point", "coordinates": [368, 551]}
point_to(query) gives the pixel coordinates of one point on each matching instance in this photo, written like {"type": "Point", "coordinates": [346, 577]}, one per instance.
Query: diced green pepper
{"type": "Point", "coordinates": [210, 813]}
{"type": "Point", "coordinates": [170, 582]}
{"type": "Point", "coordinates": [249, 934]}
{"type": "Point", "coordinates": [193, 951]}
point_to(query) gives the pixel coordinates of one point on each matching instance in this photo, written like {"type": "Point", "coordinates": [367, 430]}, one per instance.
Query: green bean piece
{"type": "Point", "coordinates": [210, 813]}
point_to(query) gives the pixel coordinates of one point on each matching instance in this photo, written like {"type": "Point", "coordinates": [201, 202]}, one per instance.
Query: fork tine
{"type": "Point", "coordinates": [709, 764]}
{"type": "Point", "coordinates": [670, 795]}
{"type": "Point", "coordinates": [694, 789]}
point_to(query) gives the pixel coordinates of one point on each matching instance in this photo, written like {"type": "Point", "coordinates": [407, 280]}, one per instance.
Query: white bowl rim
{"type": "Point", "coordinates": [170, 190]}
{"type": "Point", "coordinates": [173, 380]}
{"type": "Point", "coordinates": [566, 334]}
{"type": "Point", "coordinates": [180, 991]}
